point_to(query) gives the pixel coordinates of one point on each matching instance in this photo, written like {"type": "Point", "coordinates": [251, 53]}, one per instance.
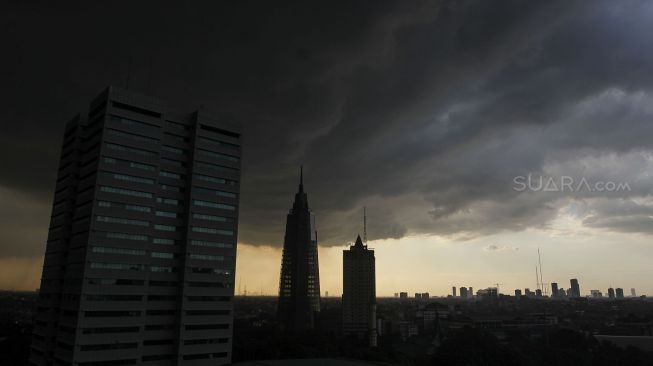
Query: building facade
{"type": "Point", "coordinates": [141, 251]}
{"type": "Point", "coordinates": [359, 292]}
{"type": "Point", "coordinates": [575, 288]}
{"type": "Point", "coordinates": [299, 282]}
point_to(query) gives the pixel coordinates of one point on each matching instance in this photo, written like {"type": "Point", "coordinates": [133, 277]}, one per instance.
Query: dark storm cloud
{"type": "Point", "coordinates": [423, 111]}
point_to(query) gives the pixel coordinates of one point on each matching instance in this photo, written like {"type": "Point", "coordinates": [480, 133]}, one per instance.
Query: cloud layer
{"type": "Point", "coordinates": [423, 112]}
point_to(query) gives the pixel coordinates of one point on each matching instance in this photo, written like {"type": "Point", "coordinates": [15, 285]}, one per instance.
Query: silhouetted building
{"type": "Point", "coordinates": [490, 292]}
{"type": "Point", "coordinates": [426, 295]}
{"type": "Point", "coordinates": [463, 292]}
{"type": "Point", "coordinates": [632, 292]}
{"type": "Point", "coordinates": [611, 293]}
{"type": "Point", "coordinates": [359, 292]}
{"type": "Point", "coordinates": [620, 293]}
{"type": "Point", "coordinates": [299, 283]}
{"type": "Point", "coordinates": [528, 292]}
{"type": "Point", "coordinates": [470, 292]}
{"type": "Point", "coordinates": [518, 294]}
{"type": "Point", "coordinates": [453, 291]}
{"type": "Point", "coordinates": [575, 288]}
{"type": "Point", "coordinates": [554, 289]}
{"type": "Point", "coordinates": [140, 257]}
{"type": "Point", "coordinates": [538, 293]}
{"type": "Point", "coordinates": [596, 294]}
{"type": "Point", "coordinates": [403, 295]}
{"type": "Point", "coordinates": [562, 293]}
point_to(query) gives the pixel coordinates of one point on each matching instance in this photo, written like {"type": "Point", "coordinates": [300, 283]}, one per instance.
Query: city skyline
{"type": "Point", "coordinates": [433, 115]}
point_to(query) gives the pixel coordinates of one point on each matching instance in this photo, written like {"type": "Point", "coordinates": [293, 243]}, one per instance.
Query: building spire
{"type": "Point", "coordinates": [301, 178]}
{"type": "Point", "coordinates": [364, 225]}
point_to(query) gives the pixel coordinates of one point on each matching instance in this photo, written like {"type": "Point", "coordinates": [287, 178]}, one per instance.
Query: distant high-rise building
{"type": "Point", "coordinates": [418, 295]}
{"type": "Point", "coordinates": [359, 292]}
{"type": "Point", "coordinates": [518, 294]}
{"type": "Point", "coordinates": [403, 295]}
{"type": "Point", "coordinates": [562, 293]}
{"type": "Point", "coordinates": [299, 283]}
{"type": "Point", "coordinates": [463, 292]}
{"type": "Point", "coordinates": [632, 292]}
{"type": "Point", "coordinates": [620, 293]}
{"type": "Point", "coordinates": [596, 293]}
{"type": "Point", "coordinates": [554, 289]}
{"type": "Point", "coordinates": [470, 292]}
{"type": "Point", "coordinates": [426, 295]}
{"type": "Point", "coordinates": [538, 293]}
{"type": "Point", "coordinates": [453, 291]}
{"type": "Point", "coordinates": [575, 288]}
{"type": "Point", "coordinates": [140, 258]}
{"type": "Point", "coordinates": [611, 293]}
{"type": "Point", "coordinates": [490, 292]}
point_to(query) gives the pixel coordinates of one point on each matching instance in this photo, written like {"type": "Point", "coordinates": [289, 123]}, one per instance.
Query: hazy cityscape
{"type": "Point", "coordinates": [327, 183]}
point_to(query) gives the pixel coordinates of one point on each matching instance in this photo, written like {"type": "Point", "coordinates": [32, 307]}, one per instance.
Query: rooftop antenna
{"type": "Point", "coordinates": [539, 259]}
{"type": "Point", "coordinates": [537, 278]}
{"type": "Point", "coordinates": [301, 178]}
{"type": "Point", "coordinates": [364, 225]}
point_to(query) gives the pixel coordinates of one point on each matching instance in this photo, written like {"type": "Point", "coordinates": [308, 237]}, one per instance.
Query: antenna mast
{"type": "Point", "coordinates": [364, 225]}
{"type": "Point", "coordinates": [539, 259]}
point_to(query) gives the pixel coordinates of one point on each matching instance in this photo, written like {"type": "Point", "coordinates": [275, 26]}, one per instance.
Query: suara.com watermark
{"type": "Point", "coordinates": [565, 183]}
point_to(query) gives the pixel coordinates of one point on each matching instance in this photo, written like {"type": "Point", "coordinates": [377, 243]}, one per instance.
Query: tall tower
{"type": "Point", "coordinates": [299, 282]}
{"type": "Point", "coordinates": [575, 288]}
{"type": "Point", "coordinates": [140, 257]}
{"type": "Point", "coordinates": [359, 292]}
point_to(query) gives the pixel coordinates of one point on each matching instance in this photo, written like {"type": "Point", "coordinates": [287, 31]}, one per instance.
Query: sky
{"type": "Point", "coordinates": [475, 132]}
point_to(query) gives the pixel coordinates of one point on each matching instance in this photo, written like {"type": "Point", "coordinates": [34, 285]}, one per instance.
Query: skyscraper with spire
{"type": "Point", "coordinates": [299, 282]}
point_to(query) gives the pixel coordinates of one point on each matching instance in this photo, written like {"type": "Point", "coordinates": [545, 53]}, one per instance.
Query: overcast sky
{"type": "Point", "coordinates": [428, 113]}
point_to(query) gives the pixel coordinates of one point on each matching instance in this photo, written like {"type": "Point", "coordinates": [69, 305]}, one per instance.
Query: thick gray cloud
{"type": "Point", "coordinates": [422, 111]}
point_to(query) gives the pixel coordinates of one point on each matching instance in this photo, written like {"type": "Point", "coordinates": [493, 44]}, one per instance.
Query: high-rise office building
{"type": "Point", "coordinates": [403, 295]}
{"type": "Point", "coordinates": [453, 291]}
{"type": "Point", "coordinates": [299, 283]}
{"type": "Point", "coordinates": [518, 294]}
{"type": "Point", "coordinates": [554, 289]}
{"type": "Point", "coordinates": [611, 293]}
{"type": "Point", "coordinates": [575, 288]}
{"type": "Point", "coordinates": [359, 292]}
{"type": "Point", "coordinates": [632, 292]}
{"type": "Point", "coordinates": [463, 292]}
{"type": "Point", "coordinates": [141, 251]}
{"type": "Point", "coordinates": [620, 293]}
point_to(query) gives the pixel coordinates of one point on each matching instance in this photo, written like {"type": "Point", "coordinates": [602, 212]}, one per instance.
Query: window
{"type": "Point", "coordinates": [165, 227]}
{"type": "Point", "coordinates": [120, 220]}
{"type": "Point", "coordinates": [162, 297]}
{"type": "Point", "coordinates": [164, 255]}
{"type": "Point", "coordinates": [207, 230]}
{"type": "Point", "coordinates": [113, 235]}
{"type": "Point", "coordinates": [118, 266]}
{"type": "Point", "coordinates": [212, 244]}
{"type": "Point", "coordinates": [206, 326]}
{"type": "Point", "coordinates": [131, 150]}
{"type": "Point", "coordinates": [216, 167]}
{"type": "Point", "coordinates": [167, 201]}
{"type": "Point", "coordinates": [219, 155]}
{"type": "Point", "coordinates": [205, 270]}
{"type": "Point", "coordinates": [212, 218]}
{"type": "Point", "coordinates": [125, 192]}
{"type": "Point", "coordinates": [130, 178]}
{"type": "Point", "coordinates": [105, 330]}
{"type": "Point", "coordinates": [173, 162]}
{"type": "Point", "coordinates": [201, 356]}
{"type": "Point", "coordinates": [126, 251]}
{"type": "Point", "coordinates": [207, 257]}
{"type": "Point", "coordinates": [107, 346]}
{"type": "Point", "coordinates": [163, 241]}
{"type": "Point", "coordinates": [110, 313]}
{"type": "Point", "coordinates": [214, 205]}
{"type": "Point", "coordinates": [207, 312]}
{"type": "Point", "coordinates": [213, 192]}
{"type": "Point", "coordinates": [131, 164]}
{"type": "Point", "coordinates": [162, 269]}
{"type": "Point", "coordinates": [167, 174]}
{"type": "Point", "coordinates": [218, 143]}
{"type": "Point", "coordinates": [166, 214]}
{"type": "Point", "coordinates": [131, 136]}
{"type": "Point", "coordinates": [171, 188]}
{"type": "Point", "coordinates": [173, 150]}
{"type": "Point", "coordinates": [124, 206]}
{"type": "Point", "coordinates": [114, 297]}
{"type": "Point", "coordinates": [192, 342]}
{"type": "Point", "coordinates": [208, 178]}
{"type": "Point", "coordinates": [112, 281]}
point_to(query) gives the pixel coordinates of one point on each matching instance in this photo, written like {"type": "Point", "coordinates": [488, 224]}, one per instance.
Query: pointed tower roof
{"type": "Point", "coordinates": [301, 178]}
{"type": "Point", "coordinates": [359, 241]}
